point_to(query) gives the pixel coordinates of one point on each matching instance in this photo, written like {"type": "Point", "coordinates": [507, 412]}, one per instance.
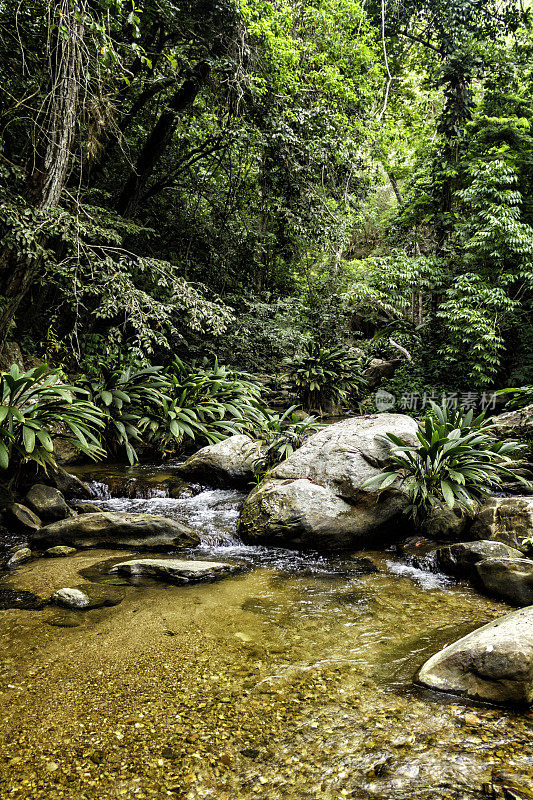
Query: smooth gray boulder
{"type": "Point", "coordinates": [114, 529]}
{"type": "Point", "coordinates": [493, 663]}
{"type": "Point", "coordinates": [508, 578]}
{"type": "Point", "coordinates": [315, 498]}
{"type": "Point", "coordinates": [461, 558]}
{"type": "Point", "coordinates": [47, 502]}
{"type": "Point", "coordinates": [303, 514]}
{"type": "Point", "coordinates": [226, 463]}
{"type": "Point", "coordinates": [505, 519]}
{"type": "Point", "coordinates": [87, 596]}
{"type": "Point", "coordinates": [173, 570]}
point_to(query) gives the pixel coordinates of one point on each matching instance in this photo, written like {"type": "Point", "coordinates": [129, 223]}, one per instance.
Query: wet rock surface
{"type": "Point", "coordinates": [86, 596]}
{"type": "Point", "coordinates": [508, 578]}
{"type": "Point", "coordinates": [173, 570]}
{"type": "Point", "coordinates": [315, 498]}
{"type": "Point", "coordinates": [226, 463]}
{"type": "Point", "coordinates": [114, 529]}
{"type": "Point", "coordinates": [505, 519]}
{"type": "Point", "coordinates": [461, 558]}
{"type": "Point", "coordinates": [443, 524]}
{"type": "Point", "coordinates": [20, 556]}
{"type": "Point", "coordinates": [493, 663]}
{"type": "Point", "coordinates": [47, 502]}
{"type": "Point", "coordinates": [22, 518]}
{"type": "Point", "coordinates": [59, 551]}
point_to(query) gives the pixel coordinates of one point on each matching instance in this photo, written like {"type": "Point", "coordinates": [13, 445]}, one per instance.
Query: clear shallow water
{"type": "Point", "coordinates": [293, 679]}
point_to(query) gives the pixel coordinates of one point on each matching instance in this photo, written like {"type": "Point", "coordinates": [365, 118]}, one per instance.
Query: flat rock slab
{"type": "Point", "coordinates": [173, 570]}
{"type": "Point", "coordinates": [114, 529]}
{"type": "Point", "coordinates": [509, 578]}
{"type": "Point", "coordinates": [60, 551]}
{"type": "Point", "coordinates": [493, 663]}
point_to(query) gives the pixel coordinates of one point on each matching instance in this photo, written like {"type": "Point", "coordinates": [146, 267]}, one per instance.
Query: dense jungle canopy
{"type": "Point", "coordinates": [245, 179]}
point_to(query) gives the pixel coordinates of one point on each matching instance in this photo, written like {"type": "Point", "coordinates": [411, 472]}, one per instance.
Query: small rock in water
{"type": "Point", "coordinates": [87, 596]}
{"type": "Point", "coordinates": [60, 550]}
{"type": "Point", "coordinates": [471, 719]}
{"type": "Point", "coordinates": [71, 598]}
{"type": "Point", "coordinates": [19, 557]}
{"type": "Point", "coordinates": [65, 620]}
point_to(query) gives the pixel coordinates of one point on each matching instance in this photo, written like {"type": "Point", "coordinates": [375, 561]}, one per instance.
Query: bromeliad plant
{"type": "Point", "coordinates": [36, 407]}
{"type": "Point", "coordinates": [207, 403]}
{"type": "Point", "coordinates": [281, 435]}
{"type": "Point", "coordinates": [132, 403]}
{"type": "Point", "coordinates": [323, 374]}
{"type": "Point", "coordinates": [458, 462]}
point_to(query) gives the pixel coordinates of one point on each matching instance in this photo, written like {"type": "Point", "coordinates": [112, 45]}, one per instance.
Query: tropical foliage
{"type": "Point", "coordinates": [37, 406]}
{"type": "Point", "coordinates": [281, 435]}
{"type": "Point", "coordinates": [457, 462]}
{"type": "Point", "coordinates": [320, 374]}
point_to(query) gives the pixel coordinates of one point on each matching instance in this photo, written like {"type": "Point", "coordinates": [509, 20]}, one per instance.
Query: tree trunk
{"type": "Point", "coordinates": [50, 165]}
{"type": "Point", "coordinates": [159, 139]}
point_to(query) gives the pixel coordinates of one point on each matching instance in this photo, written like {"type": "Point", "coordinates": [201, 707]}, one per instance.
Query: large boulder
{"type": "Point", "coordinates": [494, 663]}
{"type": "Point", "coordinates": [505, 519]}
{"type": "Point", "coordinates": [113, 529]}
{"type": "Point", "coordinates": [173, 570]}
{"type": "Point", "coordinates": [378, 369]}
{"type": "Point", "coordinates": [461, 558]}
{"type": "Point", "coordinates": [515, 424]}
{"type": "Point", "coordinates": [226, 463]}
{"type": "Point", "coordinates": [47, 502]}
{"type": "Point", "coordinates": [508, 578]}
{"type": "Point", "coordinates": [315, 498]}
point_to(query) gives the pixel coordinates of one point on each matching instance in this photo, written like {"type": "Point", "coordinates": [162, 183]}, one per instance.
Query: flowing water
{"type": "Point", "coordinates": [292, 679]}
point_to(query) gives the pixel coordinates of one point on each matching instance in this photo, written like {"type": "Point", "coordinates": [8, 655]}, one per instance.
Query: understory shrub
{"type": "Point", "coordinates": [321, 375]}
{"type": "Point", "coordinates": [457, 462]}
{"type": "Point", "coordinates": [36, 407]}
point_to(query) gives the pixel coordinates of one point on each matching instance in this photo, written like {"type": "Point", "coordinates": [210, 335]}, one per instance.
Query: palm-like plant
{"type": "Point", "coordinates": [208, 403]}
{"type": "Point", "coordinates": [36, 406]}
{"type": "Point", "coordinates": [281, 435]}
{"type": "Point", "coordinates": [321, 374]}
{"type": "Point", "coordinates": [131, 402]}
{"type": "Point", "coordinates": [457, 463]}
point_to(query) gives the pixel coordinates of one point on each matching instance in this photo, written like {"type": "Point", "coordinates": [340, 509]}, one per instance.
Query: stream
{"type": "Point", "coordinates": [291, 679]}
